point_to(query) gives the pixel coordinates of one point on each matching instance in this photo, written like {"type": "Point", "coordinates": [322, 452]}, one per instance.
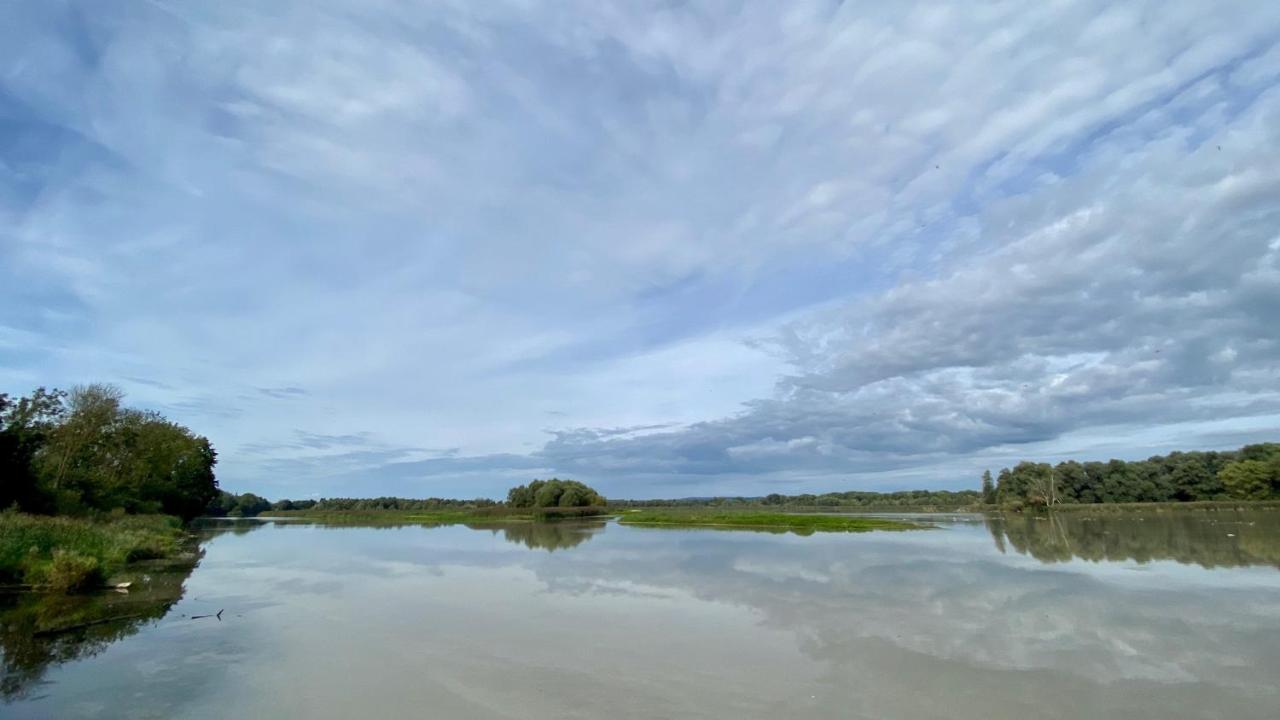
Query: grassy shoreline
{"type": "Point", "coordinates": [781, 521]}
{"type": "Point", "coordinates": [70, 554]}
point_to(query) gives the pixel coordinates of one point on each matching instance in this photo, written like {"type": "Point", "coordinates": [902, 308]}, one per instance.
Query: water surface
{"type": "Point", "coordinates": [1159, 615]}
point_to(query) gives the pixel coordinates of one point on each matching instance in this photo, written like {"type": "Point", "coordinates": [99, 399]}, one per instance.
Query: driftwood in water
{"type": "Point", "coordinates": [217, 615]}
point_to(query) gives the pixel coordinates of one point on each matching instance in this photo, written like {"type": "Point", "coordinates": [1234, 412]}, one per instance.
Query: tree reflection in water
{"type": "Point", "coordinates": [1217, 538]}
{"type": "Point", "coordinates": [551, 536]}
{"type": "Point", "coordinates": [42, 630]}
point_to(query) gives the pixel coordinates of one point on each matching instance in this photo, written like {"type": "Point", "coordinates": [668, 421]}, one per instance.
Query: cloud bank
{"type": "Point", "coordinates": [674, 250]}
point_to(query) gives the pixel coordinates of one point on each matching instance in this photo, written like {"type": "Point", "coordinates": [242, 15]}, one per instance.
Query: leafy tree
{"type": "Point", "coordinates": [231, 505]}
{"type": "Point", "coordinates": [548, 494]}
{"type": "Point", "coordinates": [1116, 482]}
{"type": "Point", "coordinates": [1070, 481]}
{"type": "Point", "coordinates": [82, 451]}
{"type": "Point", "coordinates": [77, 454]}
{"type": "Point", "coordinates": [520, 496]}
{"type": "Point", "coordinates": [1150, 481]}
{"type": "Point", "coordinates": [554, 493]}
{"type": "Point", "coordinates": [25, 425]}
{"type": "Point", "coordinates": [249, 505]}
{"type": "Point", "coordinates": [988, 488]}
{"type": "Point", "coordinates": [1191, 477]}
{"type": "Point", "coordinates": [1262, 452]}
{"type": "Point", "coordinates": [1039, 482]}
{"type": "Point", "coordinates": [1247, 479]}
{"type": "Point", "coordinates": [1005, 491]}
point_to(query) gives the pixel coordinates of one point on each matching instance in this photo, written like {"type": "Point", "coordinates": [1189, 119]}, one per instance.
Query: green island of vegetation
{"type": "Point", "coordinates": [799, 523]}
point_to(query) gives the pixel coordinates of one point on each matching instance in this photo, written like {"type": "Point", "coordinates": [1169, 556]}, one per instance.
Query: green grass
{"type": "Point", "coordinates": [66, 554]}
{"type": "Point", "coordinates": [751, 519]}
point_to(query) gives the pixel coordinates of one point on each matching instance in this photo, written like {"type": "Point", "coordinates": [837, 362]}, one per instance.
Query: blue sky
{"type": "Point", "coordinates": [670, 249]}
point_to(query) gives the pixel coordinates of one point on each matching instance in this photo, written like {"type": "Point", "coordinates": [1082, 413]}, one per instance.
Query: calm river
{"type": "Point", "coordinates": [1160, 615]}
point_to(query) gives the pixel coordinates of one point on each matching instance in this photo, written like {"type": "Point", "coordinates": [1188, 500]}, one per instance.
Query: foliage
{"type": "Point", "coordinates": [81, 451]}
{"type": "Point", "coordinates": [1248, 479]}
{"type": "Point", "coordinates": [1252, 473]}
{"type": "Point", "coordinates": [64, 553]}
{"type": "Point", "coordinates": [25, 425]}
{"type": "Point", "coordinates": [384, 503]}
{"type": "Point", "coordinates": [988, 488]}
{"type": "Point", "coordinates": [554, 493]}
{"type": "Point", "coordinates": [567, 513]}
{"type": "Point", "coordinates": [907, 499]}
{"type": "Point", "coordinates": [231, 505]}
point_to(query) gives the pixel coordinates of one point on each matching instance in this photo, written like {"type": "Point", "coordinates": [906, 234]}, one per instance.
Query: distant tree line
{"type": "Point", "coordinates": [850, 499]}
{"type": "Point", "coordinates": [249, 505]}
{"type": "Point", "coordinates": [1250, 473]}
{"type": "Point", "coordinates": [553, 493]}
{"type": "Point", "coordinates": [82, 451]}
{"type": "Point", "coordinates": [228, 504]}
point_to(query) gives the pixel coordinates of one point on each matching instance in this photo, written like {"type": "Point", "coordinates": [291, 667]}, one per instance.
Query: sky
{"type": "Point", "coordinates": [372, 247]}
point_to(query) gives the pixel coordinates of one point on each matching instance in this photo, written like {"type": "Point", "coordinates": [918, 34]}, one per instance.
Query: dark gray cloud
{"type": "Point", "coordinates": [1143, 291]}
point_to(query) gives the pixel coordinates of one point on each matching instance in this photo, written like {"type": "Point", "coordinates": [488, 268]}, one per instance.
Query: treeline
{"type": "Point", "coordinates": [851, 499]}
{"type": "Point", "coordinates": [250, 505]}
{"type": "Point", "coordinates": [1250, 473]}
{"type": "Point", "coordinates": [227, 504]}
{"type": "Point", "coordinates": [539, 494]}
{"type": "Point", "coordinates": [82, 451]}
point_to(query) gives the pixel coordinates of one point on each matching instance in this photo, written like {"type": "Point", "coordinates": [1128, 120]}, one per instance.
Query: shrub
{"type": "Point", "coordinates": [66, 571]}
{"type": "Point", "coordinates": [554, 493]}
